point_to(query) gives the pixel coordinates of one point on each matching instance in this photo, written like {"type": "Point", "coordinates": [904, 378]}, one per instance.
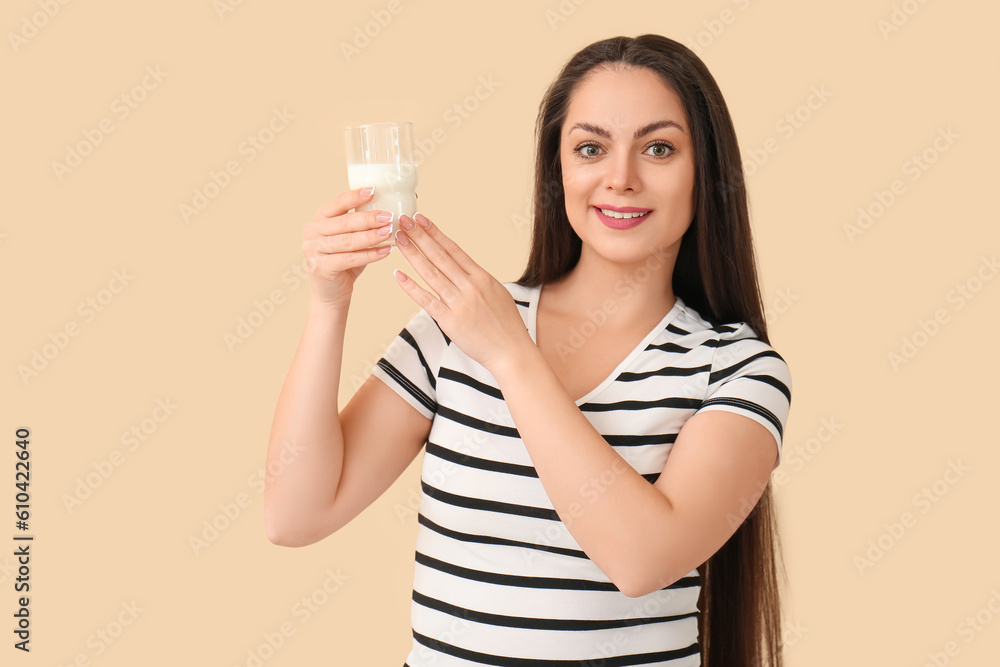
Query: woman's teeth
{"type": "Point", "coordinates": [621, 216]}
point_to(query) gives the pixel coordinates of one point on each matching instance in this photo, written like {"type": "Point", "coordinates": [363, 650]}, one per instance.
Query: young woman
{"type": "Point", "coordinates": [600, 433]}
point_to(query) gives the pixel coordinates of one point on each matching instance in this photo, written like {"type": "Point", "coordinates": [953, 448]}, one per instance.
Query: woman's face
{"type": "Point", "coordinates": [626, 149]}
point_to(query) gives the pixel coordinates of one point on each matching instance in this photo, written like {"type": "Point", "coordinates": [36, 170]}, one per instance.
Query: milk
{"type": "Point", "coordinates": [394, 188]}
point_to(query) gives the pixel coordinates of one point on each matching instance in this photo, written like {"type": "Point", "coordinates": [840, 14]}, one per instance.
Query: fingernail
{"type": "Point", "coordinates": [406, 222]}
{"type": "Point", "coordinates": [384, 231]}
{"type": "Point", "coordinates": [384, 217]}
{"type": "Point", "coordinates": [401, 238]}
{"type": "Point", "coordinates": [368, 191]}
{"type": "Point", "coordinates": [421, 220]}
{"type": "Point", "coordinates": [399, 276]}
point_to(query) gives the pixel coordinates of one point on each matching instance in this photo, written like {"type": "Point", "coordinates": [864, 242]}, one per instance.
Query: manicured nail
{"type": "Point", "coordinates": [421, 220]}
{"type": "Point", "coordinates": [400, 276]}
{"type": "Point", "coordinates": [384, 216]}
{"type": "Point", "coordinates": [384, 231]}
{"type": "Point", "coordinates": [406, 222]}
{"type": "Point", "coordinates": [401, 238]}
{"type": "Point", "coordinates": [368, 191]}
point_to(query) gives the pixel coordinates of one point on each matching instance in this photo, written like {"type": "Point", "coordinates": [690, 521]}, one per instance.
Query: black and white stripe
{"type": "Point", "coordinates": [498, 578]}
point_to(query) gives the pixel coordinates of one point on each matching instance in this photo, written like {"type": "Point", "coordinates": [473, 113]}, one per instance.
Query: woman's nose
{"type": "Point", "coordinates": [622, 174]}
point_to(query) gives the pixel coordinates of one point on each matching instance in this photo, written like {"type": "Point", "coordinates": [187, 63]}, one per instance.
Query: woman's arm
{"type": "Point", "coordinates": [323, 467]}
{"type": "Point", "coordinates": [306, 444]}
{"type": "Point", "coordinates": [643, 536]}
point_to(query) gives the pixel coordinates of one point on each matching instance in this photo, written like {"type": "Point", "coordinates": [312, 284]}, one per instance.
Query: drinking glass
{"type": "Point", "coordinates": [382, 154]}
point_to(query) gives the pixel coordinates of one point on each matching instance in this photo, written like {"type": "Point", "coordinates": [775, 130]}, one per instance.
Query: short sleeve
{"type": "Point", "coordinates": [411, 363]}
{"type": "Point", "coordinates": [750, 378]}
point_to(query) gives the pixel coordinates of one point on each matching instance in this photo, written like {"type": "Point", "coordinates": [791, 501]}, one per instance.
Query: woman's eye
{"type": "Point", "coordinates": [660, 150]}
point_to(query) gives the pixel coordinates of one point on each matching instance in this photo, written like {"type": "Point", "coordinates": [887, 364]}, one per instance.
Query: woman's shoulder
{"type": "Point", "coordinates": [736, 337]}
{"type": "Point", "coordinates": [690, 321]}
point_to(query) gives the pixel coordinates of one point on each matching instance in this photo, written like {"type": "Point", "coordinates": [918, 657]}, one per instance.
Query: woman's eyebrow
{"type": "Point", "coordinates": [641, 132]}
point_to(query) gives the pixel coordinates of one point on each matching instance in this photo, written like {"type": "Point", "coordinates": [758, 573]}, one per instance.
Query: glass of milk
{"type": "Point", "coordinates": [382, 154]}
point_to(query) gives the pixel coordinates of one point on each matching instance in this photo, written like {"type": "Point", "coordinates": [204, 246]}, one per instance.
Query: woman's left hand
{"type": "Point", "coordinates": [472, 308]}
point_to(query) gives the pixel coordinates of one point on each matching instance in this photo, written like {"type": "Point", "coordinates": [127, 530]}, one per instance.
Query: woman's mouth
{"type": "Point", "coordinates": [623, 218]}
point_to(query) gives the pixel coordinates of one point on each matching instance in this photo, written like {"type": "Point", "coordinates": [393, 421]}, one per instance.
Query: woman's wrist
{"type": "Point", "coordinates": [328, 313]}
{"type": "Point", "coordinates": [515, 360]}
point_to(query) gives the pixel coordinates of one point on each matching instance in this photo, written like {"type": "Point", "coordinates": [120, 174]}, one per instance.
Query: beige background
{"type": "Point", "coordinates": [864, 437]}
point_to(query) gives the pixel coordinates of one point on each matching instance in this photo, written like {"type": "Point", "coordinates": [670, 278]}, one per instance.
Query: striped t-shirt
{"type": "Point", "coordinates": [498, 578]}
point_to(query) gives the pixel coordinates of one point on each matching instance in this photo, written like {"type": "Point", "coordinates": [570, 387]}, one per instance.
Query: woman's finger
{"type": "Point", "coordinates": [434, 306]}
{"type": "Point", "coordinates": [345, 201]}
{"type": "Point", "coordinates": [433, 231]}
{"type": "Point", "coordinates": [438, 255]}
{"type": "Point", "coordinates": [355, 221]}
{"type": "Point", "coordinates": [428, 268]}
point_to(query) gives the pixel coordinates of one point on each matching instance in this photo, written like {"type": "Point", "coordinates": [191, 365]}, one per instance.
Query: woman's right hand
{"type": "Point", "coordinates": [336, 242]}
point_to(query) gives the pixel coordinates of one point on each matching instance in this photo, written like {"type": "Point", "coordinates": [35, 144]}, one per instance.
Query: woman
{"type": "Point", "coordinates": [553, 525]}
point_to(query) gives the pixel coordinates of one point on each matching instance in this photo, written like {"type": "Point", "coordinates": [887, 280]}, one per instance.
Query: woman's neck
{"type": "Point", "coordinates": [628, 297]}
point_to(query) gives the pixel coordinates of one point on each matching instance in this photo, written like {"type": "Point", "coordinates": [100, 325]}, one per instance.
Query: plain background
{"type": "Point", "coordinates": [866, 435]}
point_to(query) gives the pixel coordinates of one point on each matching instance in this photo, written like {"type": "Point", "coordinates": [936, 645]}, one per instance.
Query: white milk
{"type": "Point", "coordinates": [394, 189]}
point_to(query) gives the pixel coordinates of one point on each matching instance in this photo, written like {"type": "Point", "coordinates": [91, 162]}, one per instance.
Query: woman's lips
{"type": "Point", "coordinates": [622, 223]}
{"type": "Point", "coordinates": [623, 209]}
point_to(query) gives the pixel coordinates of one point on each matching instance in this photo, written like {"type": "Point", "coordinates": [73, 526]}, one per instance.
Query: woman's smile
{"type": "Point", "coordinates": [622, 218]}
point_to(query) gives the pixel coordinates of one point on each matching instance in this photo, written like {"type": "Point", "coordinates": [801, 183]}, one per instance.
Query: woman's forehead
{"type": "Point", "coordinates": [623, 101]}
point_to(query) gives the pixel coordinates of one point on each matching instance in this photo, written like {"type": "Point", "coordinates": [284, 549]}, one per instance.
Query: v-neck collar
{"type": "Point", "coordinates": [534, 297]}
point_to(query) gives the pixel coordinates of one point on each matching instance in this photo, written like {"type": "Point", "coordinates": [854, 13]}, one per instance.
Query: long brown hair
{"type": "Point", "coordinates": [716, 275]}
